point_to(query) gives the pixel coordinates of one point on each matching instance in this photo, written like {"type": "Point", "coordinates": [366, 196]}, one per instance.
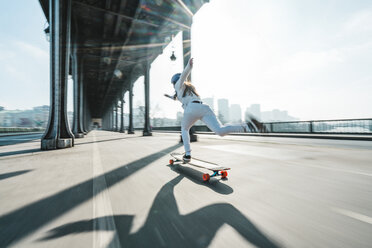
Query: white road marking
{"type": "Point", "coordinates": [351, 214]}
{"type": "Point", "coordinates": [179, 233]}
{"type": "Point", "coordinates": [160, 237]}
{"type": "Point", "coordinates": [225, 149]}
{"type": "Point", "coordinates": [104, 228]}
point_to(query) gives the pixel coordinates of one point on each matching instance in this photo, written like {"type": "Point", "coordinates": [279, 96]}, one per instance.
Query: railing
{"type": "Point", "coordinates": [348, 126]}
{"type": "Point", "coordinates": [20, 129]}
{"type": "Point", "coordinates": [345, 126]}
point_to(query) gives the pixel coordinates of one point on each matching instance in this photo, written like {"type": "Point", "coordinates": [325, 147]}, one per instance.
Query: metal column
{"type": "Point", "coordinates": [122, 115]}
{"type": "Point", "coordinates": [58, 133]}
{"type": "Point", "coordinates": [76, 127]}
{"type": "Point", "coordinates": [112, 128]}
{"type": "Point", "coordinates": [116, 116]}
{"type": "Point", "coordinates": [130, 128]}
{"type": "Point", "coordinates": [186, 42]}
{"type": "Point", "coordinates": [146, 128]}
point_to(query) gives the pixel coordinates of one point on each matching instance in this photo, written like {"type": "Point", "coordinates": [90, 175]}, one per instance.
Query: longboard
{"type": "Point", "coordinates": [217, 169]}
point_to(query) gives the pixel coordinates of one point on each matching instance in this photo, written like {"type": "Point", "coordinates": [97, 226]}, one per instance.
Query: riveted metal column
{"type": "Point", "coordinates": [76, 127]}
{"type": "Point", "coordinates": [58, 133]}
{"type": "Point", "coordinates": [84, 105]}
{"type": "Point", "coordinates": [122, 115]}
{"type": "Point", "coordinates": [130, 128]}
{"type": "Point", "coordinates": [146, 128]}
{"type": "Point", "coordinates": [116, 117]}
{"type": "Point", "coordinates": [82, 94]}
{"type": "Point", "coordinates": [186, 42]}
{"type": "Point", "coordinates": [112, 118]}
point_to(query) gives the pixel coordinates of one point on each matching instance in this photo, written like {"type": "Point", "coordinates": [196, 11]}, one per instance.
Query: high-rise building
{"type": "Point", "coordinates": [210, 102]}
{"type": "Point", "coordinates": [235, 113]}
{"type": "Point", "coordinates": [223, 110]}
{"type": "Point", "coordinates": [256, 110]}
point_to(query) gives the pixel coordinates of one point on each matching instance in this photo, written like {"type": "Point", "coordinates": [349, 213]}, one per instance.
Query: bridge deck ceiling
{"type": "Point", "coordinates": [120, 35]}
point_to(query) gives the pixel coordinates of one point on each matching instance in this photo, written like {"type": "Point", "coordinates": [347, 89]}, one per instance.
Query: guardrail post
{"type": "Point", "coordinates": [311, 127]}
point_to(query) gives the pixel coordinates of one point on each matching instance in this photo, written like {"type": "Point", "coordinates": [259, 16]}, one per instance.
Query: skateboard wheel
{"type": "Point", "coordinates": [206, 177]}
{"type": "Point", "coordinates": [171, 161]}
{"type": "Point", "coordinates": [223, 174]}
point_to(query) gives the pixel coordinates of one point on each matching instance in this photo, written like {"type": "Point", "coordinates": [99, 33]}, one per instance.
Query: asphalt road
{"type": "Point", "coordinates": [118, 190]}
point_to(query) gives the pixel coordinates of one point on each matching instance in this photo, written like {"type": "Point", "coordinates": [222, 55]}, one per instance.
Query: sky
{"type": "Point", "coordinates": [311, 58]}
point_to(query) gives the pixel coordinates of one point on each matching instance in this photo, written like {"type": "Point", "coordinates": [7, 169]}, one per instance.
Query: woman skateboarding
{"type": "Point", "coordinates": [195, 110]}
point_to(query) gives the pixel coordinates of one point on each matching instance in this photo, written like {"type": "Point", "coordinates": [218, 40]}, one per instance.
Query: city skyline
{"type": "Point", "coordinates": [310, 58]}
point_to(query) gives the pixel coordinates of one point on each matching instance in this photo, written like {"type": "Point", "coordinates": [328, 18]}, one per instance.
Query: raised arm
{"type": "Point", "coordinates": [185, 73]}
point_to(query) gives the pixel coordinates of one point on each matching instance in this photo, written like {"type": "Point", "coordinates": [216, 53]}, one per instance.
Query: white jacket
{"type": "Point", "coordinates": [180, 88]}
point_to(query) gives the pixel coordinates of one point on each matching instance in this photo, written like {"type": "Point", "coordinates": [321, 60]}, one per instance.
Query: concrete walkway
{"type": "Point", "coordinates": [118, 190]}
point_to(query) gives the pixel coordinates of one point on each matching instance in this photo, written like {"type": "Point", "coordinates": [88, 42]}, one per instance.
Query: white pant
{"type": "Point", "coordinates": [197, 111]}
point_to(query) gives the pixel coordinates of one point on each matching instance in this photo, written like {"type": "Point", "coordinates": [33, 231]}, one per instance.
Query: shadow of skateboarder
{"type": "Point", "coordinates": [166, 227]}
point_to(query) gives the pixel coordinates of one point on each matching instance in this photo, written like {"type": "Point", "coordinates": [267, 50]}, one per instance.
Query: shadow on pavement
{"type": "Point", "coordinates": [196, 177]}
{"type": "Point", "coordinates": [13, 174]}
{"type": "Point", "coordinates": [4, 154]}
{"type": "Point", "coordinates": [19, 223]}
{"type": "Point", "coordinates": [106, 140]}
{"type": "Point", "coordinates": [166, 227]}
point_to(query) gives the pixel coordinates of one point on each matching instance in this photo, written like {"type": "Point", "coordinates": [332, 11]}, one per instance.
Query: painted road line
{"type": "Point", "coordinates": [104, 228]}
{"type": "Point", "coordinates": [351, 214]}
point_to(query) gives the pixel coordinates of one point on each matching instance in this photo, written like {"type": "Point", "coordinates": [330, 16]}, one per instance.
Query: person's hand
{"type": "Point", "coordinates": [191, 62]}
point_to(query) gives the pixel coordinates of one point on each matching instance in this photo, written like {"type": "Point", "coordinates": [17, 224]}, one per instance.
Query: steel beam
{"type": "Point", "coordinates": [58, 133]}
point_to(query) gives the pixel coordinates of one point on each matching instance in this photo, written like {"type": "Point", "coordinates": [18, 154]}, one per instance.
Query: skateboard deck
{"type": "Point", "coordinates": [217, 169]}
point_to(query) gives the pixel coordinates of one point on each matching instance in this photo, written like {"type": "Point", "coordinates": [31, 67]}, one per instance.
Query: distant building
{"type": "Point", "coordinates": [235, 113]}
{"type": "Point", "coordinates": [276, 115]}
{"type": "Point", "coordinates": [255, 110]}
{"type": "Point", "coordinates": [210, 102]}
{"type": "Point", "coordinates": [179, 118]}
{"type": "Point", "coordinates": [223, 110]}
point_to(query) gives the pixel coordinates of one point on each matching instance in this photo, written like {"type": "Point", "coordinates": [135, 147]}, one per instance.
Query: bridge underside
{"type": "Point", "coordinates": [106, 45]}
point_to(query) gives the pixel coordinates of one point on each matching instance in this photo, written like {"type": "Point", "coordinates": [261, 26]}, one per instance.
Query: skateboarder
{"type": "Point", "coordinates": [195, 110]}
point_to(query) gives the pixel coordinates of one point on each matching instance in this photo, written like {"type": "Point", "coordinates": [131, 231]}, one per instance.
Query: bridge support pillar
{"type": "Point", "coordinates": [58, 133]}
{"type": "Point", "coordinates": [112, 128]}
{"type": "Point", "coordinates": [116, 117]}
{"type": "Point", "coordinates": [77, 76]}
{"type": "Point", "coordinates": [186, 42]}
{"type": "Point", "coordinates": [147, 129]}
{"type": "Point", "coordinates": [122, 115]}
{"type": "Point", "coordinates": [131, 128]}
{"type": "Point", "coordinates": [84, 105]}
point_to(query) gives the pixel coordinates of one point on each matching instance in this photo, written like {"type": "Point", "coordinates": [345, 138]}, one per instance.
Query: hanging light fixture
{"type": "Point", "coordinates": [47, 33]}
{"type": "Point", "coordinates": [173, 57]}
